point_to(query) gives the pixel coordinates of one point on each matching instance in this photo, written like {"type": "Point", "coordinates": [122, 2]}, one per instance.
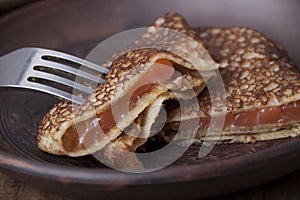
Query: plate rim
{"type": "Point", "coordinates": [107, 176]}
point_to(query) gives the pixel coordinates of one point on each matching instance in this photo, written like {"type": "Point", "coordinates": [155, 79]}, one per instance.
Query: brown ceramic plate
{"type": "Point", "coordinates": [78, 26]}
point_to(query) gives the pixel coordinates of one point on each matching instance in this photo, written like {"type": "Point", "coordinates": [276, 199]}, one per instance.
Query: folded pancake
{"type": "Point", "coordinates": [135, 80]}
{"type": "Point", "coordinates": [262, 87]}
{"type": "Point", "coordinates": [120, 153]}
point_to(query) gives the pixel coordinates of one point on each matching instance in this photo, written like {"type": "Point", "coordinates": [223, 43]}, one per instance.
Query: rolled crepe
{"type": "Point", "coordinates": [262, 88]}
{"type": "Point", "coordinates": [135, 80]}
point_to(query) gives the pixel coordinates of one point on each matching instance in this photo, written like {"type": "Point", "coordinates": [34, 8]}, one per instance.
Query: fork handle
{"type": "Point", "coordinates": [13, 65]}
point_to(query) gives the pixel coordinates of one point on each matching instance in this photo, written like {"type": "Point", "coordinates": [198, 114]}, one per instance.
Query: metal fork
{"type": "Point", "coordinates": [52, 72]}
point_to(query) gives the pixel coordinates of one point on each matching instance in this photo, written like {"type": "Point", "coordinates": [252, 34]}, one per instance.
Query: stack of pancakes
{"type": "Point", "coordinates": [262, 89]}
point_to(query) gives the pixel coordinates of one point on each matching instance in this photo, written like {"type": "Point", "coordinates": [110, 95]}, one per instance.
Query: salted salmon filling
{"type": "Point", "coordinates": [271, 115]}
{"type": "Point", "coordinates": [88, 132]}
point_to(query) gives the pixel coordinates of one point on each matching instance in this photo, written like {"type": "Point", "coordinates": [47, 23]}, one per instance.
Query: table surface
{"type": "Point", "coordinates": [287, 187]}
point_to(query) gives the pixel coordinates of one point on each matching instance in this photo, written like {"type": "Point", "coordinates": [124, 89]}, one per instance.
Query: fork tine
{"type": "Point", "coordinates": [53, 74]}
{"type": "Point", "coordinates": [56, 92]}
{"type": "Point", "coordinates": [64, 56]}
{"type": "Point", "coordinates": [62, 81]}
{"type": "Point", "coordinates": [71, 70]}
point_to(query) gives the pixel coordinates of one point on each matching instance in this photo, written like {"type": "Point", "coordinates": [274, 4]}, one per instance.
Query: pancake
{"type": "Point", "coordinates": [262, 88]}
{"type": "Point", "coordinates": [136, 78]}
{"type": "Point", "coordinates": [120, 153]}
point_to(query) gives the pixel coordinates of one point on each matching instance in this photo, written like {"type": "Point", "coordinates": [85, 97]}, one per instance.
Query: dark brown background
{"type": "Point", "coordinates": [78, 35]}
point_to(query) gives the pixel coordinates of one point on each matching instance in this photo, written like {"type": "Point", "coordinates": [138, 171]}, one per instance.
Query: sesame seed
{"type": "Point", "coordinates": [240, 51]}
{"type": "Point", "coordinates": [246, 64]}
{"type": "Point", "coordinates": [255, 40]}
{"type": "Point", "coordinates": [274, 56]}
{"type": "Point", "coordinates": [244, 86]}
{"type": "Point", "coordinates": [275, 68]}
{"type": "Point", "coordinates": [160, 21]}
{"type": "Point", "coordinates": [215, 31]}
{"type": "Point", "coordinates": [244, 74]}
{"type": "Point", "coordinates": [241, 39]}
{"type": "Point", "coordinates": [290, 77]}
{"type": "Point", "coordinates": [250, 55]}
{"type": "Point", "coordinates": [203, 35]}
{"type": "Point", "coordinates": [151, 29]}
{"type": "Point", "coordinates": [231, 37]}
{"type": "Point", "coordinates": [271, 86]}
